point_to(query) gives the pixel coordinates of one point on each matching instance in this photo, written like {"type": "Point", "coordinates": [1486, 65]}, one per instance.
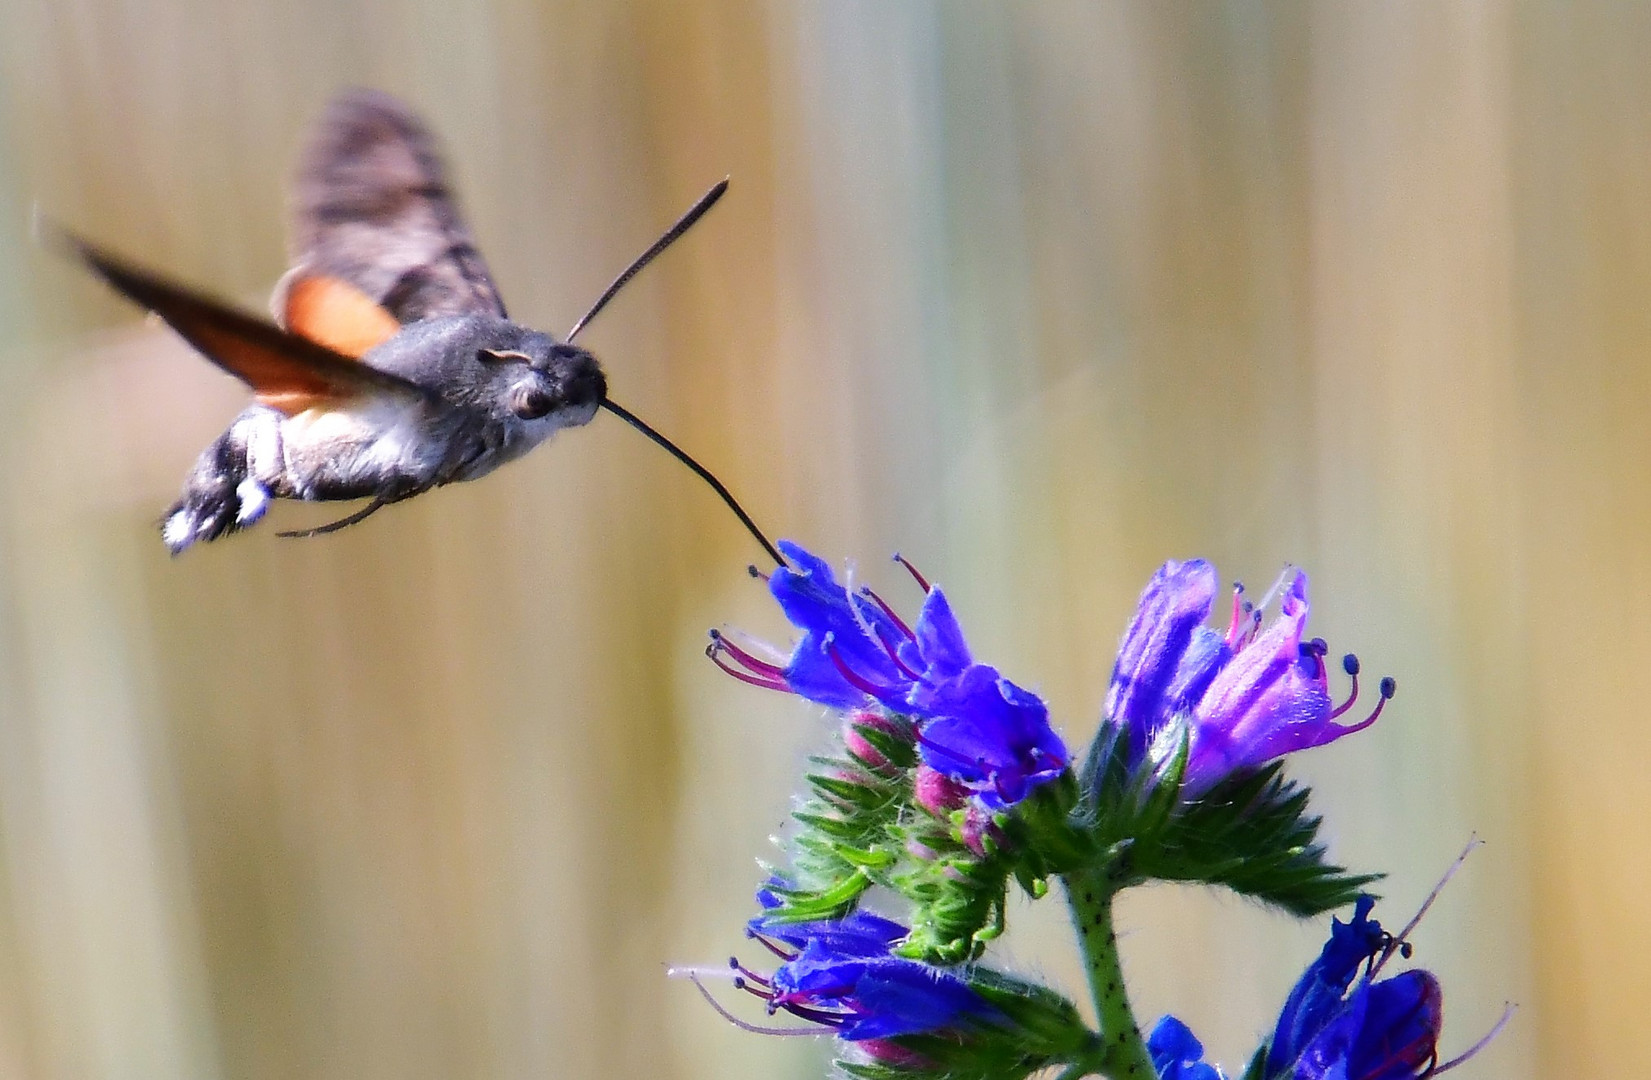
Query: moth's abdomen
{"type": "Point", "coordinates": [368, 447]}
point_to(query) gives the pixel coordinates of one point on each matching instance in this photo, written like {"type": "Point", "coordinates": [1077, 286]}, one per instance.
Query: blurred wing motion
{"type": "Point", "coordinates": [372, 208]}
{"type": "Point", "coordinates": [286, 371]}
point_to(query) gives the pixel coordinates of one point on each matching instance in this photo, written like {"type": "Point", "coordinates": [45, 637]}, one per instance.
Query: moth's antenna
{"type": "Point", "coordinates": [683, 224]}
{"type": "Point", "coordinates": [699, 470]}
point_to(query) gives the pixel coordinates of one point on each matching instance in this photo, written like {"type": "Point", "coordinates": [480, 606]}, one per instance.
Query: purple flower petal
{"type": "Point", "coordinates": [832, 621]}
{"type": "Point", "coordinates": [992, 736]}
{"type": "Point", "coordinates": [1388, 1030]}
{"type": "Point", "coordinates": [1176, 1052]}
{"type": "Point", "coordinates": [1317, 995]}
{"type": "Point", "coordinates": [1173, 607]}
{"type": "Point", "coordinates": [1272, 698]}
{"type": "Point", "coordinates": [844, 975]}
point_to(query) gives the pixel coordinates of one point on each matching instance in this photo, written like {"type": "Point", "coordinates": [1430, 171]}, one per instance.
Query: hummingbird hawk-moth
{"type": "Point", "coordinates": [392, 367]}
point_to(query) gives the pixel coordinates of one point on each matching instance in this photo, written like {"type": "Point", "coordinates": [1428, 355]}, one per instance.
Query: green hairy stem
{"type": "Point", "coordinates": [1122, 1054]}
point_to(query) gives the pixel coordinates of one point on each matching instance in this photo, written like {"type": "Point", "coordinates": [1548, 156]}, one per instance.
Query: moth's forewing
{"type": "Point", "coordinates": [372, 206]}
{"type": "Point", "coordinates": [286, 371]}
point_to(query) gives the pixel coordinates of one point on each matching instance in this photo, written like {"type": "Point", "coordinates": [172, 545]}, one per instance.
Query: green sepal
{"type": "Point", "coordinates": [958, 892]}
{"type": "Point", "coordinates": [897, 746]}
{"type": "Point", "coordinates": [1257, 1068]}
{"type": "Point", "coordinates": [1251, 832]}
{"type": "Point", "coordinates": [801, 905]}
{"type": "Point", "coordinates": [843, 842]}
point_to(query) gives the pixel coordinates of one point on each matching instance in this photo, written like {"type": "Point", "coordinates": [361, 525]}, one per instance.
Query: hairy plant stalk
{"type": "Point", "coordinates": [1124, 1053]}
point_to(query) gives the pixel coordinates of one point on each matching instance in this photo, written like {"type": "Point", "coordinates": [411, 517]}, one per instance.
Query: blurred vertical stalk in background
{"type": "Point", "coordinates": [1040, 295]}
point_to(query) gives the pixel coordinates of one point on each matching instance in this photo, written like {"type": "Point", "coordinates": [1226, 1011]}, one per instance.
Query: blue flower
{"type": "Point", "coordinates": [1318, 994]}
{"type": "Point", "coordinates": [1387, 1030]}
{"type": "Point", "coordinates": [859, 933]}
{"type": "Point", "coordinates": [1244, 697]}
{"type": "Point", "coordinates": [1177, 1054]}
{"type": "Point", "coordinates": [1167, 656]}
{"type": "Point", "coordinates": [1384, 1029]}
{"type": "Point", "coordinates": [974, 726]}
{"type": "Point", "coordinates": [991, 736]}
{"type": "Point", "coordinates": [843, 975]}
{"type": "Point", "coordinates": [848, 650]}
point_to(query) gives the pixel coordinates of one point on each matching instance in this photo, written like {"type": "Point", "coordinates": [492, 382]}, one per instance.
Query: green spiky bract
{"type": "Point", "coordinates": [1251, 832]}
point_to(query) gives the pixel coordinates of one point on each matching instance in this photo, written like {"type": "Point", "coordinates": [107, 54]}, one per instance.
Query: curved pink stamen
{"type": "Point", "coordinates": [1387, 695]}
{"type": "Point", "coordinates": [745, 1025]}
{"type": "Point", "coordinates": [1348, 704]}
{"type": "Point", "coordinates": [1507, 1015]}
{"type": "Point", "coordinates": [894, 655]}
{"type": "Point", "coordinates": [829, 1019]}
{"type": "Point", "coordinates": [1234, 627]}
{"type": "Point", "coordinates": [763, 940]}
{"type": "Point", "coordinates": [734, 962]}
{"type": "Point", "coordinates": [922, 582]}
{"type": "Point", "coordinates": [884, 605]}
{"type": "Point", "coordinates": [746, 660]}
{"type": "Point", "coordinates": [848, 673]}
{"type": "Point", "coordinates": [745, 676]}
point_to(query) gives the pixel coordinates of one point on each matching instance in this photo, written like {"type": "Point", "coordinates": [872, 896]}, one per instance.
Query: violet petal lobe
{"type": "Point", "coordinates": [1176, 1052]}
{"type": "Point", "coordinates": [1317, 995]}
{"type": "Point", "coordinates": [937, 649]}
{"type": "Point", "coordinates": [845, 976]}
{"type": "Point", "coordinates": [1172, 609]}
{"type": "Point", "coordinates": [992, 736]}
{"type": "Point", "coordinates": [903, 997]}
{"type": "Point", "coordinates": [860, 933]}
{"type": "Point", "coordinates": [834, 621]}
{"type": "Point", "coordinates": [1272, 698]}
{"type": "Point", "coordinates": [1388, 1030]}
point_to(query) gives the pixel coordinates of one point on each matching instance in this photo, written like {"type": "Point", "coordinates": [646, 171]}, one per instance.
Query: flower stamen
{"type": "Point", "coordinates": [853, 678]}
{"type": "Point", "coordinates": [761, 939]}
{"type": "Point", "coordinates": [1349, 664]}
{"type": "Point", "coordinates": [1241, 614]}
{"type": "Point", "coordinates": [894, 655]}
{"type": "Point", "coordinates": [751, 976]}
{"type": "Point", "coordinates": [1388, 688]}
{"type": "Point", "coordinates": [922, 582]}
{"type": "Point", "coordinates": [746, 660]}
{"type": "Point", "coordinates": [829, 1019]}
{"type": "Point", "coordinates": [757, 673]}
{"type": "Point", "coordinates": [1403, 935]}
{"type": "Point", "coordinates": [743, 1025]}
{"type": "Point", "coordinates": [742, 676]}
{"type": "Point", "coordinates": [1507, 1015]}
{"type": "Point", "coordinates": [866, 591]}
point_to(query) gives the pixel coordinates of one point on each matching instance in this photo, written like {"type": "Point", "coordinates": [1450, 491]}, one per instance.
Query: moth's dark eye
{"type": "Point", "coordinates": [530, 402]}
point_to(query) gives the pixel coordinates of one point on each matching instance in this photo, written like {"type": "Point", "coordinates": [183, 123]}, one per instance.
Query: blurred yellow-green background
{"type": "Point", "coordinates": [1038, 294]}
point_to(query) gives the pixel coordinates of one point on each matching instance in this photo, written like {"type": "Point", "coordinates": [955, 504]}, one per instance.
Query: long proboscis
{"type": "Point", "coordinates": [700, 471]}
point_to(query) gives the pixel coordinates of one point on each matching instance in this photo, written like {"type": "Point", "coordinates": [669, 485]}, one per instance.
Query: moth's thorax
{"type": "Point", "coordinates": [513, 387]}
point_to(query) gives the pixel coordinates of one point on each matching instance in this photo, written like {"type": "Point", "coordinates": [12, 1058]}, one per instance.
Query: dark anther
{"type": "Point", "coordinates": [1389, 687]}
{"type": "Point", "coordinates": [1350, 664]}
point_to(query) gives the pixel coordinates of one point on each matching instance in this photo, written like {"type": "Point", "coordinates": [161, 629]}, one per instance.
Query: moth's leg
{"type": "Point", "coordinates": [231, 484]}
